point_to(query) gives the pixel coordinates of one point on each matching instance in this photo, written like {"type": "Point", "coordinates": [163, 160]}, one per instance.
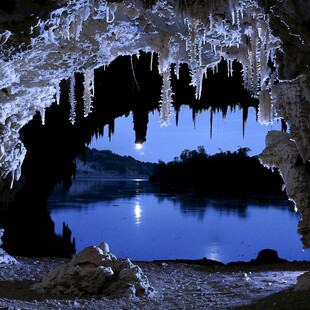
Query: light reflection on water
{"type": "Point", "coordinates": [138, 212]}
{"type": "Point", "coordinates": [143, 225]}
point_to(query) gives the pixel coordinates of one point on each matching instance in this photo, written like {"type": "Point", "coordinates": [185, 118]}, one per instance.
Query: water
{"type": "Point", "coordinates": [141, 224]}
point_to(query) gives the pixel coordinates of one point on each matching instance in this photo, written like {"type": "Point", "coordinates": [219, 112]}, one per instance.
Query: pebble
{"type": "Point", "coordinates": [178, 287]}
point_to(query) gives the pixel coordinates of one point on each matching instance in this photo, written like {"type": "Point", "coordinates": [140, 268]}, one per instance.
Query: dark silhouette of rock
{"type": "Point", "coordinates": [268, 256]}
{"type": "Point", "coordinates": [264, 257]}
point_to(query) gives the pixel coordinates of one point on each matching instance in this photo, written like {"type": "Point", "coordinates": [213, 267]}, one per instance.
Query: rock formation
{"type": "Point", "coordinates": [81, 36]}
{"type": "Point", "coordinates": [303, 282]}
{"type": "Point", "coordinates": [264, 257]}
{"type": "Point", "coordinates": [281, 151]}
{"type": "Point", "coordinates": [4, 257]}
{"type": "Point", "coordinates": [95, 271]}
{"type": "Point", "coordinates": [290, 97]}
{"type": "Point", "coordinates": [269, 38]}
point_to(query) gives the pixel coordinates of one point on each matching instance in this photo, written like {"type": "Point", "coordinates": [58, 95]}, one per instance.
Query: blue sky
{"type": "Point", "coordinates": [164, 143]}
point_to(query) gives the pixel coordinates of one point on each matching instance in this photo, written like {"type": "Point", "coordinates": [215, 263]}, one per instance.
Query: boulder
{"type": "Point", "coordinates": [95, 271]}
{"type": "Point", "coordinates": [303, 282]}
{"type": "Point", "coordinates": [268, 256]}
{"type": "Point", "coordinates": [264, 257]}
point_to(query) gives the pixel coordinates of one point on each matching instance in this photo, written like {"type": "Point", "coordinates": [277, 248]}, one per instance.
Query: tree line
{"type": "Point", "coordinates": [231, 173]}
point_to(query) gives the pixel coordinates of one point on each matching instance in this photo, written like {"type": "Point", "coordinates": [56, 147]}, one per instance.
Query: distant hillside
{"type": "Point", "coordinates": [110, 165]}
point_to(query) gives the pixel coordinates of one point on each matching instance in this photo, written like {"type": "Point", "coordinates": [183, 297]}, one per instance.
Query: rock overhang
{"type": "Point", "coordinates": [269, 38]}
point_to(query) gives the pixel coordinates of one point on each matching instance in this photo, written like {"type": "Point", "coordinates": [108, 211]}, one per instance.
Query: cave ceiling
{"type": "Point", "coordinates": [42, 45]}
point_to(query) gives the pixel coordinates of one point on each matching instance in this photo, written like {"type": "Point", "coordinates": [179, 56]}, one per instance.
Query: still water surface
{"type": "Point", "coordinates": [141, 224]}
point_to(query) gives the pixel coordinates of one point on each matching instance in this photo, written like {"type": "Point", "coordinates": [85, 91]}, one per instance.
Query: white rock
{"type": "Point", "coordinates": [95, 271]}
{"type": "Point", "coordinates": [4, 257]}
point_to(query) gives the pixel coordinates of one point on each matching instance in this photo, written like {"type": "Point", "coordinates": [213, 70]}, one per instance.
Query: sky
{"type": "Point", "coordinates": [166, 142]}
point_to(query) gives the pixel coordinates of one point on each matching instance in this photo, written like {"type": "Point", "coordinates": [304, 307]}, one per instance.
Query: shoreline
{"type": "Point", "coordinates": [178, 285]}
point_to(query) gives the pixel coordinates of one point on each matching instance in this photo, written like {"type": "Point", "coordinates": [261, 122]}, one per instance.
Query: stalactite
{"type": "Point", "coordinates": [133, 73]}
{"type": "Point", "coordinates": [166, 98]}
{"type": "Point", "coordinates": [245, 113]}
{"type": "Point", "coordinates": [42, 113]}
{"type": "Point", "coordinates": [177, 112]}
{"type": "Point", "coordinates": [57, 94]}
{"type": "Point", "coordinates": [211, 123]}
{"type": "Point", "coordinates": [177, 70]}
{"type": "Point", "coordinates": [197, 79]}
{"type": "Point", "coordinates": [229, 67]}
{"type": "Point", "coordinates": [89, 91]}
{"type": "Point", "coordinates": [151, 62]}
{"type": "Point", "coordinates": [265, 107]}
{"type": "Point", "coordinates": [72, 99]}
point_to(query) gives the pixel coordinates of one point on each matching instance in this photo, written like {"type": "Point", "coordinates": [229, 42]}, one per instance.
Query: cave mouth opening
{"type": "Point", "coordinates": [53, 146]}
{"type": "Point", "coordinates": [79, 37]}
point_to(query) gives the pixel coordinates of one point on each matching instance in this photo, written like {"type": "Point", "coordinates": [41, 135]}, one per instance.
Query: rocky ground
{"type": "Point", "coordinates": [177, 286]}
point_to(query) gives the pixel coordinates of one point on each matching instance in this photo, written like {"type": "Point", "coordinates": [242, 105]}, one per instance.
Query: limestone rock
{"type": "Point", "coordinates": [281, 151]}
{"type": "Point", "coordinates": [4, 257]}
{"type": "Point", "coordinates": [95, 271]}
{"type": "Point", "coordinates": [303, 282]}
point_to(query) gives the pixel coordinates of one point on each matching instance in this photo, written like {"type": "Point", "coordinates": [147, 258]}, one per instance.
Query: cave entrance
{"type": "Point", "coordinates": [128, 213]}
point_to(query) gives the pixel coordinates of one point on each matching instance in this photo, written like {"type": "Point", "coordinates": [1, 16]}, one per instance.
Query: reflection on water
{"type": "Point", "coordinates": [141, 224]}
{"type": "Point", "coordinates": [138, 212]}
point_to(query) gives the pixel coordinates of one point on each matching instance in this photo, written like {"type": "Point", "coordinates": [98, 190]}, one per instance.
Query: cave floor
{"type": "Point", "coordinates": [177, 286]}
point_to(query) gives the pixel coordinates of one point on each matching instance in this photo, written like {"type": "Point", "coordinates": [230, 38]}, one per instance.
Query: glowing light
{"type": "Point", "coordinates": [213, 252]}
{"type": "Point", "coordinates": [138, 146]}
{"type": "Point", "coordinates": [138, 212]}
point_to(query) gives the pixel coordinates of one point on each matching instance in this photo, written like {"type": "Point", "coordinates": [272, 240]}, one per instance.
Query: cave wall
{"type": "Point", "coordinates": [290, 21]}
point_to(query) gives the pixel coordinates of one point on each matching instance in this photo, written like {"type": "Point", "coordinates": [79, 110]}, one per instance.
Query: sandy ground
{"type": "Point", "coordinates": [177, 285]}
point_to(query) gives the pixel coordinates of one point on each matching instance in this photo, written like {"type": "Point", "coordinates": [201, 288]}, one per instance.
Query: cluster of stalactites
{"type": "Point", "coordinates": [13, 160]}
{"type": "Point", "coordinates": [228, 29]}
{"type": "Point", "coordinates": [243, 35]}
{"type": "Point", "coordinates": [258, 75]}
{"type": "Point", "coordinates": [68, 24]}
